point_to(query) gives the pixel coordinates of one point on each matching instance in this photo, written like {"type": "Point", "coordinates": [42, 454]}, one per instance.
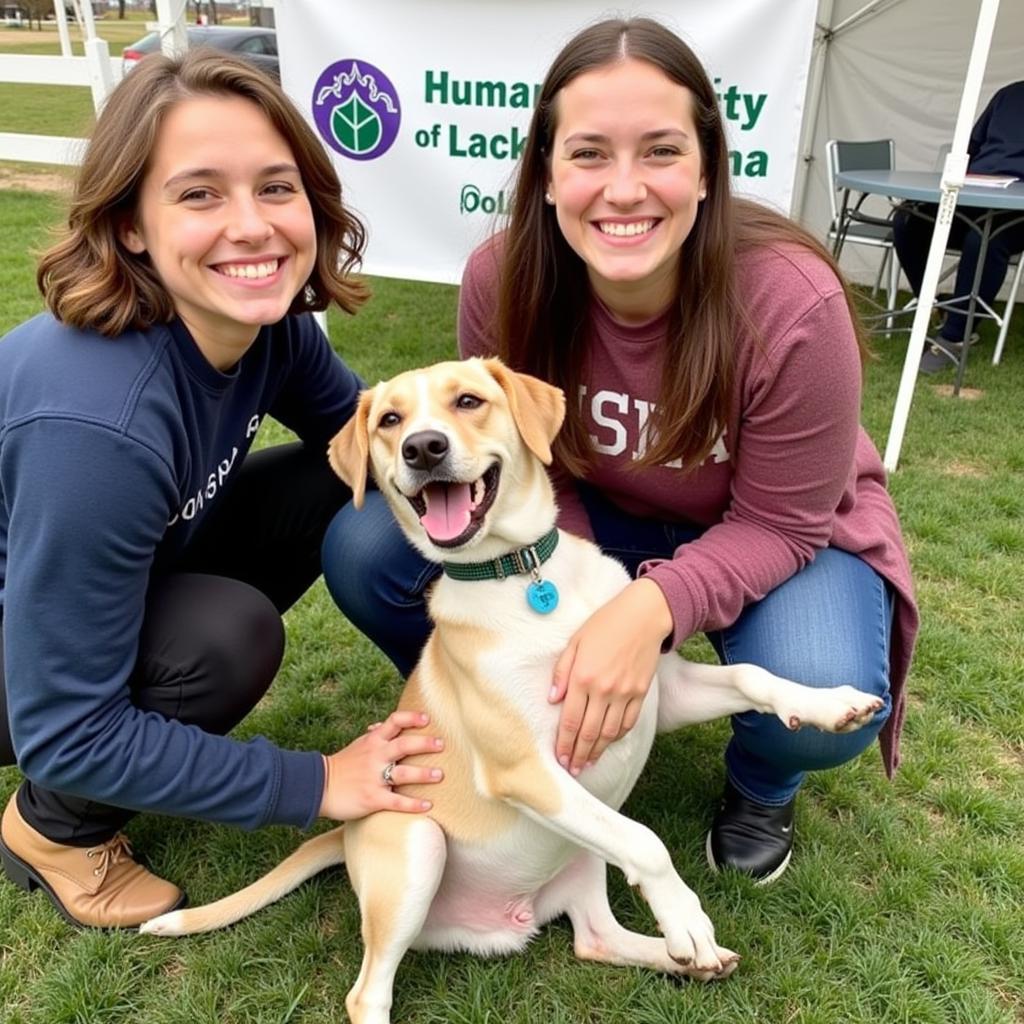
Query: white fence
{"type": "Point", "coordinates": [97, 70]}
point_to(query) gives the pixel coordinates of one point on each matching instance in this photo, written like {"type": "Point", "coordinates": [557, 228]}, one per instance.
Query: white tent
{"type": "Point", "coordinates": [917, 71]}
{"type": "Point", "coordinates": [897, 72]}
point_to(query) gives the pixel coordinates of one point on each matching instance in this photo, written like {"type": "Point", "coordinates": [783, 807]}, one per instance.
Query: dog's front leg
{"type": "Point", "coordinates": [581, 891]}
{"type": "Point", "coordinates": [689, 692]}
{"type": "Point", "coordinates": [557, 801]}
{"type": "Point", "coordinates": [395, 863]}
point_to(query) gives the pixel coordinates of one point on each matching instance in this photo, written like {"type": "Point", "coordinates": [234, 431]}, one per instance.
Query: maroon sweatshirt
{"type": "Point", "coordinates": [793, 470]}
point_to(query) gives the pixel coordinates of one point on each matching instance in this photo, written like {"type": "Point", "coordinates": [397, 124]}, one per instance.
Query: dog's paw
{"type": "Point", "coordinates": [728, 960]}
{"type": "Point", "coordinates": [165, 924]}
{"type": "Point", "coordinates": [714, 962]}
{"type": "Point", "coordinates": [835, 709]}
{"type": "Point", "coordinates": [691, 944]}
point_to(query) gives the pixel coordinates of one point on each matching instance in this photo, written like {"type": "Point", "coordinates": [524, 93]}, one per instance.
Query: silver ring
{"type": "Point", "coordinates": [386, 774]}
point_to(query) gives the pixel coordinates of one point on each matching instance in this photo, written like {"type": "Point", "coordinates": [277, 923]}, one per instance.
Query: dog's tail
{"type": "Point", "coordinates": [309, 859]}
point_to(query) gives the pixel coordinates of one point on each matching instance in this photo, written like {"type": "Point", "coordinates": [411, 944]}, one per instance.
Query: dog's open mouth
{"type": "Point", "coordinates": [451, 512]}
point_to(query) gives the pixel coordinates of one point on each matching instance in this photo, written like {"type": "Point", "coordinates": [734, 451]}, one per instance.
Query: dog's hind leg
{"type": "Point", "coordinates": [395, 863]}
{"type": "Point", "coordinates": [581, 891]}
{"type": "Point", "coordinates": [689, 692]}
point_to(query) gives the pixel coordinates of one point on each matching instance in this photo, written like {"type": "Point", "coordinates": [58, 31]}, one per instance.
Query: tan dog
{"type": "Point", "coordinates": [513, 840]}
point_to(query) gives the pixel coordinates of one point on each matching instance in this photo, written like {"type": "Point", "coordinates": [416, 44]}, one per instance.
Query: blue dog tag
{"type": "Point", "coordinates": [542, 596]}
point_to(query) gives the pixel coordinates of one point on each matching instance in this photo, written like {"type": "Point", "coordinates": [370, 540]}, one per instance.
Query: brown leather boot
{"type": "Point", "coordinates": [99, 886]}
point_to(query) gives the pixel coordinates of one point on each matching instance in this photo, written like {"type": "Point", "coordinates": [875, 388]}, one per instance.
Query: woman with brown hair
{"type": "Point", "coordinates": [713, 359]}
{"type": "Point", "coordinates": [145, 556]}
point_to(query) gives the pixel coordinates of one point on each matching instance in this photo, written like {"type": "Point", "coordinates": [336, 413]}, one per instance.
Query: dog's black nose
{"type": "Point", "coordinates": [425, 449]}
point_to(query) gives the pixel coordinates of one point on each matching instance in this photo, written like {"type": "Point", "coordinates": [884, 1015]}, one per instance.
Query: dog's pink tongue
{"type": "Point", "coordinates": [448, 509]}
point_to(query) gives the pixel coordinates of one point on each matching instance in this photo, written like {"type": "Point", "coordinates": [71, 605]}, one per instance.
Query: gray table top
{"type": "Point", "coordinates": [924, 186]}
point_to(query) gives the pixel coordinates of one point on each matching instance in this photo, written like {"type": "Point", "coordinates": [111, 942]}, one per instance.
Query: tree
{"type": "Point", "coordinates": [35, 10]}
{"type": "Point", "coordinates": [211, 6]}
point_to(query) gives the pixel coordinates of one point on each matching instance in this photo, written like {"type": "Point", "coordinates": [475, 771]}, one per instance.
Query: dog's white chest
{"type": "Point", "coordinates": [493, 885]}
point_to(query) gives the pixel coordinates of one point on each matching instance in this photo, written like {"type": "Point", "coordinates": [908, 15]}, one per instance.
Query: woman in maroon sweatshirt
{"type": "Point", "coordinates": [713, 442]}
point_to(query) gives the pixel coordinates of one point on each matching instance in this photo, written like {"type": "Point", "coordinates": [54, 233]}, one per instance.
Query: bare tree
{"type": "Point", "coordinates": [213, 16]}
{"type": "Point", "coordinates": [35, 10]}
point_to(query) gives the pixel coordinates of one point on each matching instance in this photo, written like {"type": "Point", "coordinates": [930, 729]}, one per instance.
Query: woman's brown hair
{"type": "Point", "coordinates": [90, 280]}
{"type": "Point", "coordinates": [544, 295]}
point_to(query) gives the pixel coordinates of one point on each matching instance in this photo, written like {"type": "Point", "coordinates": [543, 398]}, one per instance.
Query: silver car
{"type": "Point", "coordinates": [257, 45]}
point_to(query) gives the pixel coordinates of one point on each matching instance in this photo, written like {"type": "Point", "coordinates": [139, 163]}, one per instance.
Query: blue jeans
{"type": "Point", "coordinates": [828, 624]}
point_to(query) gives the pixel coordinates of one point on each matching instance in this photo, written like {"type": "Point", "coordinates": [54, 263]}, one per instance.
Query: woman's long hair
{"type": "Point", "coordinates": [91, 281]}
{"type": "Point", "coordinates": [544, 293]}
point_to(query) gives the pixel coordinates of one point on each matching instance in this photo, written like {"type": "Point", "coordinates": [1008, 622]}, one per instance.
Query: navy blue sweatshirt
{"type": "Point", "coordinates": [112, 452]}
{"type": "Point", "coordinates": [997, 139]}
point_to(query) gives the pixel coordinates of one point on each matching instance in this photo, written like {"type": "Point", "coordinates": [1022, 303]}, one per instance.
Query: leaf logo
{"type": "Point", "coordinates": [356, 127]}
{"type": "Point", "coordinates": [356, 109]}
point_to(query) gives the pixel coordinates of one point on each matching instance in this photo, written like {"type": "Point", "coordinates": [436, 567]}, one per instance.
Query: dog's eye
{"type": "Point", "coordinates": [468, 402]}
{"type": "Point", "coordinates": [390, 419]}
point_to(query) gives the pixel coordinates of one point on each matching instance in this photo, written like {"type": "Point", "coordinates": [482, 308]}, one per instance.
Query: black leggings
{"type": "Point", "coordinates": [212, 637]}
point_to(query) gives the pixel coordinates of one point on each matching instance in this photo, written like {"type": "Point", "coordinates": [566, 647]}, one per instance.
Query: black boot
{"type": "Point", "coordinates": [753, 838]}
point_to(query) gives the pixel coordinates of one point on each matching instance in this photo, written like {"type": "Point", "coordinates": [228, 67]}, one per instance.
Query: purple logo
{"type": "Point", "coordinates": [356, 109]}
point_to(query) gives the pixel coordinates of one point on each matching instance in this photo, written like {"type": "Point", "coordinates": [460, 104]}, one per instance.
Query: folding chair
{"type": "Point", "coordinates": [862, 228]}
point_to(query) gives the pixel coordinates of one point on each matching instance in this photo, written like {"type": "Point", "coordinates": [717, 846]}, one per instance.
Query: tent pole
{"type": "Point", "coordinates": [952, 182]}
{"type": "Point", "coordinates": [812, 106]}
{"type": "Point", "coordinates": [826, 33]}
{"type": "Point", "coordinates": [857, 16]}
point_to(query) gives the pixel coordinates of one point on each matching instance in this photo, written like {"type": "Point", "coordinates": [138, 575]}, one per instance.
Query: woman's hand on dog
{"type": "Point", "coordinates": [606, 670]}
{"type": "Point", "coordinates": [354, 783]}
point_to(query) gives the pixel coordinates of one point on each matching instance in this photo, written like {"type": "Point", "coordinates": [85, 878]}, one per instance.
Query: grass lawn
{"type": "Point", "coordinates": [56, 109]}
{"type": "Point", "coordinates": [45, 109]}
{"type": "Point", "coordinates": [904, 903]}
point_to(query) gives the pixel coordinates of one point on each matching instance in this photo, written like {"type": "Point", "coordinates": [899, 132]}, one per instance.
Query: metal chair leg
{"type": "Point", "coordinates": [881, 270]}
{"type": "Point", "coordinates": [894, 282]}
{"type": "Point", "coordinates": [1008, 311]}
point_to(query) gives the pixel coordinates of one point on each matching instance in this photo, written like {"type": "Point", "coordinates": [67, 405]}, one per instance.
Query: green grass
{"type": "Point", "coordinates": [905, 901]}
{"type": "Point", "coordinates": [56, 109]}
{"type": "Point", "coordinates": [45, 109]}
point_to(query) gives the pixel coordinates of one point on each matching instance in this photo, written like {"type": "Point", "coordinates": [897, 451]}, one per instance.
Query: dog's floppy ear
{"type": "Point", "coordinates": [538, 408]}
{"type": "Point", "coordinates": [349, 451]}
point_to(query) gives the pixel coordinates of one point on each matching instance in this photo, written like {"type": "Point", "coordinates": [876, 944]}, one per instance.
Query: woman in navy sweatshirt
{"type": "Point", "coordinates": [145, 556]}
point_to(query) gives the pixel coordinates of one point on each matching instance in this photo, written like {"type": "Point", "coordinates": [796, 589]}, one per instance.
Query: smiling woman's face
{"type": "Point", "coordinates": [225, 221]}
{"type": "Point", "coordinates": [627, 181]}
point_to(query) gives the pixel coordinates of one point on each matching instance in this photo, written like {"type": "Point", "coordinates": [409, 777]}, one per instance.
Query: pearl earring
{"type": "Point", "coordinates": [549, 199]}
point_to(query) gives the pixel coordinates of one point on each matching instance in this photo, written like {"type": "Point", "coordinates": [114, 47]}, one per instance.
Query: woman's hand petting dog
{"type": "Point", "coordinates": [605, 672]}
{"type": "Point", "coordinates": [354, 781]}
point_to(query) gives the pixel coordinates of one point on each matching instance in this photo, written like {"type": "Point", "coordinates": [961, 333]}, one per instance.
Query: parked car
{"type": "Point", "coordinates": [258, 45]}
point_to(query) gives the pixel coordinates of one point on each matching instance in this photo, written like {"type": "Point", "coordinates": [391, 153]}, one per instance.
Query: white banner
{"type": "Point", "coordinates": [425, 106]}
